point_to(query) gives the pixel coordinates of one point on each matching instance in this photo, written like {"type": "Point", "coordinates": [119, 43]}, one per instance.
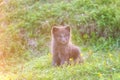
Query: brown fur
{"type": "Point", "coordinates": [62, 48]}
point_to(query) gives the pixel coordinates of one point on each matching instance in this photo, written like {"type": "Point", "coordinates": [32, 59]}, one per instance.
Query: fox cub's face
{"type": "Point", "coordinates": [61, 34]}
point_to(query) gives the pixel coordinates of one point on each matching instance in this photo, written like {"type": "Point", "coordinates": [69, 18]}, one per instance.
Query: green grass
{"type": "Point", "coordinates": [92, 23]}
{"type": "Point", "coordinates": [25, 39]}
{"type": "Point", "coordinates": [98, 65]}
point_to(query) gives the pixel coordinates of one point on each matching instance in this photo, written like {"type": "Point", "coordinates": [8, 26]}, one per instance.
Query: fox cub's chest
{"type": "Point", "coordinates": [63, 50]}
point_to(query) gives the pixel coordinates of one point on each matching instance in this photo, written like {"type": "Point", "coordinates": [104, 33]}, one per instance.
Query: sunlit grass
{"type": "Point", "coordinates": [98, 65]}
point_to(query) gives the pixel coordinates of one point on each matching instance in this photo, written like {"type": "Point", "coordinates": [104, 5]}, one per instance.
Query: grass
{"type": "Point", "coordinates": [25, 39]}
{"type": "Point", "coordinates": [98, 65]}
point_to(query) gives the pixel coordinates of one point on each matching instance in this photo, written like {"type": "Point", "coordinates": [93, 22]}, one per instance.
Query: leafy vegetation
{"type": "Point", "coordinates": [97, 66]}
{"type": "Point", "coordinates": [25, 38]}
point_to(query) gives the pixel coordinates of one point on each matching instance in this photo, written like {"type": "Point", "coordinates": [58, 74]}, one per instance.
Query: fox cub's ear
{"type": "Point", "coordinates": [54, 29]}
{"type": "Point", "coordinates": [68, 28]}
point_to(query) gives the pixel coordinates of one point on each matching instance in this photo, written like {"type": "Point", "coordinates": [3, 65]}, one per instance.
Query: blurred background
{"type": "Point", "coordinates": [25, 26]}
